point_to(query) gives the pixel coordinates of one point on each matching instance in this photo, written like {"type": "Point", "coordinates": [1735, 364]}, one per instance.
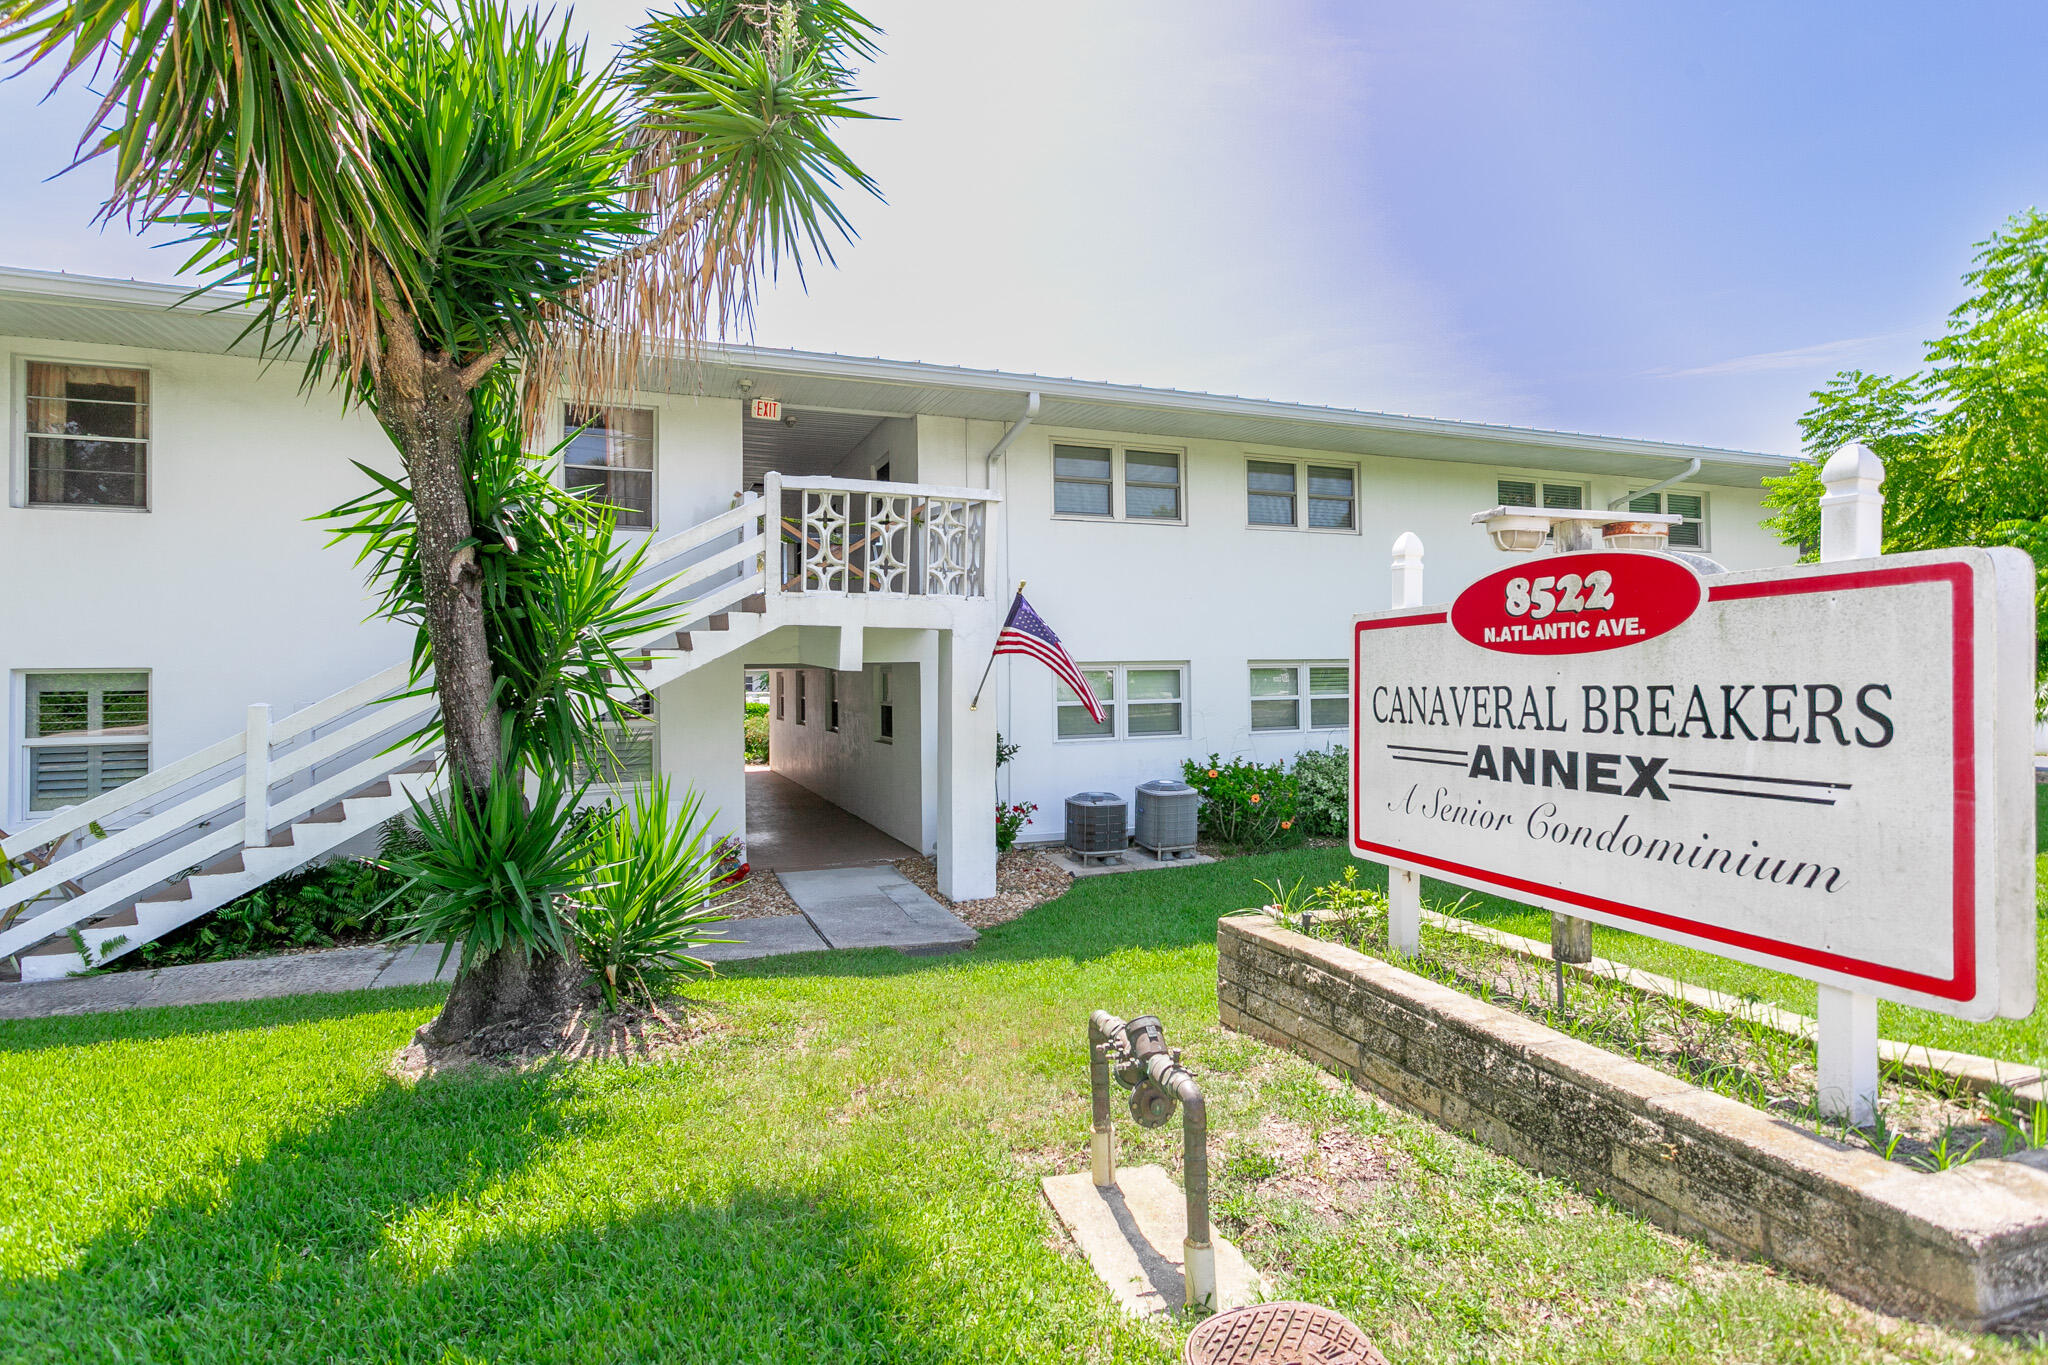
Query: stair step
{"type": "Point", "coordinates": [683, 640]}
{"type": "Point", "coordinates": [381, 787]}
{"type": "Point", "coordinates": [755, 605]}
{"type": "Point", "coordinates": [423, 765]}
{"type": "Point", "coordinates": [326, 815]}
{"type": "Point", "coordinates": [640, 665]}
{"type": "Point", "coordinates": [179, 890]}
{"type": "Point", "coordinates": [281, 838]}
{"type": "Point", "coordinates": [124, 918]}
{"type": "Point", "coordinates": [221, 866]}
{"type": "Point", "coordinates": [718, 622]}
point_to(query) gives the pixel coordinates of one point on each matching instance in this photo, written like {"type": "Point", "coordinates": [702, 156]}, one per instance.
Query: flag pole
{"type": "Point", "coordinates": [976, 703]}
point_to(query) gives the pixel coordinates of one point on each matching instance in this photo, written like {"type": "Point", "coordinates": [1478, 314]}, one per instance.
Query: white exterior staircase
{"type": "Point", "coordinates": [135, 863]}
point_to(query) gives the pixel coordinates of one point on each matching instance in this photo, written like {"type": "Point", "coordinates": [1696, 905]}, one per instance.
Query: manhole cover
{"type": "Point", "coordinates": [1280, 1334]}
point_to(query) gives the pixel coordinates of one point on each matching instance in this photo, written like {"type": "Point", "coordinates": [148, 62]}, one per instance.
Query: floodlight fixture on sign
{"type": "Point", "coordinates": [1524, 530]}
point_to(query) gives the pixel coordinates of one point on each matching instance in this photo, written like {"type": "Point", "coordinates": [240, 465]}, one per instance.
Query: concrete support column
{"type": "Point", "coordinates": [966, 766]}
{"type": "Point", "coordinates": [700, 742]}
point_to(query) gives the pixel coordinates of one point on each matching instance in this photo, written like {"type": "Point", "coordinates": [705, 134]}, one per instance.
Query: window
{"type": "Point", "coordinates": [1152, 485]}
{"type": "Point", "coordinates": [1275, 491]}
{"type": "Point", "coordinates": [1556, 497]}
{"type": "Point", "coordinates": [801, 708]}
{"type": "Point", "coordinates": [1690, 534]}
{"type": "Point", "coordinates": [610, 457]}
{"type": "Point", "coordinates": [779, 690]}
{"type": "Point", "coordinates": [1081, 481]}
{"type": "Point", "coordinates": [86, 733]}
{"type": "Point", "coordinates": [832, 702]}
{"type": "Point", "coordinates": [88, 436]}
{"type": "Point", "coordinates": [1085, 478]}
{"type": "Point", "coordinates": [1139, 701]}
{"type": "Point", "coordinates": [629, 756]}
{"type": "Point", "coordinates": [1280, 692]}
{"type": "Point", "coordinates": [885, 709]}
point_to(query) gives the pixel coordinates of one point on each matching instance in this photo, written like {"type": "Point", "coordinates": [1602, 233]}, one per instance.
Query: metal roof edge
{"type": "Point", "coordinates": [105, 292]}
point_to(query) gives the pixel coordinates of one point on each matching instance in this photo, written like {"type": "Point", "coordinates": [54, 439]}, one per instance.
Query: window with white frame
{"type": "Point", "coordinates": [609, 457]}
{"type": "Point", "coordinates": [628, 752]}
{"type": "Point", "coordinates": [1086, 478]}
{"type": "Point", "coordinates": [831, 701]}
{"type": "Point", "coordinates": [801, 708]}
{"type": "Point", "coordinates": [1139, 701]}
{"type": "Point", "coordinates": [779, 692]}
{"type": "Point", "coordinates": [885, 709]}
{"type": "Point", "coordinates": [1296, 696]}
{"type": "Point", "coordinates": [1689, 534]}
{"type": "Point", "coordinates": [1301, 493]}
{"type": "Point", "coordinates": [88, 436]}
{"type": "Point", "coordinates": [1549, 494]}
{"type": "Point", "coordinates": [85, 734]}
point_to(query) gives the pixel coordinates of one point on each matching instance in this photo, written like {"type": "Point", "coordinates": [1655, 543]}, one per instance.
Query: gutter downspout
{"type": "Point", "coordinates": [1031, 403]}
{"type": "Point", "coordinates": [1691, 468]}
{"type": "Point", "coordinates": [988, 464]}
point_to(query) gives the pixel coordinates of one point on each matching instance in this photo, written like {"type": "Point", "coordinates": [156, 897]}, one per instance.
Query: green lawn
{"type": "Point", "coordinates": [844, 1170]}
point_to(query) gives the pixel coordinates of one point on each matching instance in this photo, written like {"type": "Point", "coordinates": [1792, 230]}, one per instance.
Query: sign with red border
{"type": "Point", "coordinates": [1824, 769]}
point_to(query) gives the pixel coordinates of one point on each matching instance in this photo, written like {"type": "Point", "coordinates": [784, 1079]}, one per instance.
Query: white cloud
{"type": "Point", "coordinates": [1826, 353]}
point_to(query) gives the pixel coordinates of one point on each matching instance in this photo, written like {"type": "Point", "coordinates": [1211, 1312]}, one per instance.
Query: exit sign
{"type": "Point", "coordinates": [768, 409]}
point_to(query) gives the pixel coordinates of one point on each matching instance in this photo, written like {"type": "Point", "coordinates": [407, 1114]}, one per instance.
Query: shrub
{"type": "Point", "coordinates": [1010, 821]}
{"type": "Point", "coordinates": [337, 902]}
{"type": "Point", "coordinates": [1246, 805]}
{"type": "Point", "coordinates": [654, 875]}
{"type": "Point", "coordinates": [755, 728]}
{"type": "Point", "coordinates": [490, 872]}
{"type": "Point", "coordinates": [1323, 785]}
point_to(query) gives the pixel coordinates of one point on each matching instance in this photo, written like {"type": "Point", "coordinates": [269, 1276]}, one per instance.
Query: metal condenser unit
{"type": "Point", "coordinates": [1166, 818]}
{"type": "Point", "coordinates": [1096, 825]}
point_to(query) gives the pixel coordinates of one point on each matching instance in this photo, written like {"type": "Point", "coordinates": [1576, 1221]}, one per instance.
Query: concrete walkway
{"type": "Point", "coordinates": [791, 828]}
{"type": "Point", "coordinates": [207, 983]}
{"type": "Point", "coordinates": [847, 907]}
{"type": "Point", "coordinates": [843, 907]}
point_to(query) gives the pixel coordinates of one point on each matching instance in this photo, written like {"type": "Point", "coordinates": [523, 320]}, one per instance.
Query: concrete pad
{"type": "Point", "coordinates": [875, 907]}
{"type": "Point", "coordinates": [768, 937]}
{"type": "Point", "coordinates": [790, 827]}
{"type": "Point", "coordinates": [418, 965]}
{"type": "Point", "coordinates": [1135, 860]}
{"type": "Point", "coordinates": [1132, 1235]}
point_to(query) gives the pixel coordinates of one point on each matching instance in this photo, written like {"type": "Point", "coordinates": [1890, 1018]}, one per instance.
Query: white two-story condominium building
{"type": "Point", "coordinates": [191, 669]}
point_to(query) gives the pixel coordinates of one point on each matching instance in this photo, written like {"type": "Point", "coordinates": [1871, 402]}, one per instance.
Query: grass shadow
{"type": "Point", "coordinates": [183, 1021]}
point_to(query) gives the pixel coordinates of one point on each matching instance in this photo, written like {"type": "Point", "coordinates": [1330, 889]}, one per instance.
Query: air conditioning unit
{"type": "Point", "coordinates": [1166, 818]}
{"type": "Point", "coordinates": [1096, 825]}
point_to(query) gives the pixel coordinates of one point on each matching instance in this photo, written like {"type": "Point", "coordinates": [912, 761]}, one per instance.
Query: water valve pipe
{"type": "Point", "coordinates": [1136, 1057]}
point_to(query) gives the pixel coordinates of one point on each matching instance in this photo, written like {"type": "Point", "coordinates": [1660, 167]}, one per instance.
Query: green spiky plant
{"type": "Point", "coordinates": [654, 881]}
{"type": "Point", "coordinates": [438, 205]}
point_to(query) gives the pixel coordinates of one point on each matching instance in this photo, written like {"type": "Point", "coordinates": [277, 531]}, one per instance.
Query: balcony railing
{"type": "Point", "coordinates": [845, 536]}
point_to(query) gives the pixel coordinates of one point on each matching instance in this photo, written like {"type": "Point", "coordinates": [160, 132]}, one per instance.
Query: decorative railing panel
{"type": "Point", "coordinates": [886, 539]}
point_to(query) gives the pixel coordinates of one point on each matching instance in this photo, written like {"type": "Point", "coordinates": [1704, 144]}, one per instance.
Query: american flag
{"type": "Point", "coordinates": [1027, 634]}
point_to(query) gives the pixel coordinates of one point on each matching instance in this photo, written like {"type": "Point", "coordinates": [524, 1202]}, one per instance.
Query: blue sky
{"type": "Point", "coordinates": [1638, 219]}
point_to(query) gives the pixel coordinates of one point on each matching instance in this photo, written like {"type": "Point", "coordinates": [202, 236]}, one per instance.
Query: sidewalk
{"type": "Point", "coordinates": [848, 907]}
{"type": "Point", "coordinates": [249, 978]}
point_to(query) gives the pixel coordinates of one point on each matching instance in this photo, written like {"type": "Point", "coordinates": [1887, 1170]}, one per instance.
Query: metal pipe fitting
{"type": "Point", "coordinates": [1135, 1056]}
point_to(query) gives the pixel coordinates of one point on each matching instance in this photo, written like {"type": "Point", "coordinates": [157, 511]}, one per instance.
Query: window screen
{"type": "Point", "coordinates": [610, 457]}
{"type": "Point", "coordinates": [1689, 534]}
{"type": "Point", "coordinates": [1276, 698]}
{"type": "Point", "coordinates": [1074, 720]}
{"type": "Point", "coordinates": [1153, 700]}
{"type": "Point", "coordinates": [1332, 495]}
{"type": "Point", "coordinates": [1152, 485]}
{"type": "Point", "coordinates": [88, 436]}
{"type": "Point", "coordinates": [1269, 490]}
{"type": "Point", "coordinates": [1081, 481]}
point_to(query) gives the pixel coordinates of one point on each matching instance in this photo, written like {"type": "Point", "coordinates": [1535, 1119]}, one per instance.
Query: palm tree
{"type": "Point", "coordinates": [422, 198]}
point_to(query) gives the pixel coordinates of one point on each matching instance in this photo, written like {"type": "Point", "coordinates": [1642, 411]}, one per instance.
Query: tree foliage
{"type": "Point", "coordinates": [1964, 441]}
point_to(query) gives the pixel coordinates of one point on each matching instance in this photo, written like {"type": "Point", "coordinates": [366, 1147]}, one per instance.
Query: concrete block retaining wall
{"type": "Point", "coordinates": [1967, 1245]}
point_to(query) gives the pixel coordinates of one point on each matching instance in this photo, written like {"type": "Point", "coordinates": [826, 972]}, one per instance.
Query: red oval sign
{"type": "Point", "coordinates": [1577, 604]}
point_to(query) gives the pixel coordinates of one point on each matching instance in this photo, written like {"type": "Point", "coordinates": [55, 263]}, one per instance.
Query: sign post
{"type": "Point", "coordinates": [1851, 527]}
{"type": "Point", "coordinates": [1823, 769]}
{"type": "Point", "coordinates": [1404, 885]}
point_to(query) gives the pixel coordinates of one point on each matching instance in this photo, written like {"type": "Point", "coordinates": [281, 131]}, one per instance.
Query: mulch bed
{"type": "Point", "coordinates": [584, 1032]}
{"type": "Point", "coordinates": [760, 896]}
{"type": "Point", "coordinates": [1023, 882]}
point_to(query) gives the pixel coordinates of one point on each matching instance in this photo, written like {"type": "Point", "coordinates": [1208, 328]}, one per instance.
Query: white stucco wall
{"type": "Point", "coordinates": [1217, 594]}
{"type": "Point", "coordinates": [701, 744]}
{"type": "Point", "coordinates": [893, 442]}
{"type": "Point", "coordinates": [882, 783]}
{"type": "Point", "coordinates": [223, 590]}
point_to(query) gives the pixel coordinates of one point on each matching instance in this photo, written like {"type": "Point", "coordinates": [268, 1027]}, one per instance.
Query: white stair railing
{"type": "Point", "coordinates": [886, 539]}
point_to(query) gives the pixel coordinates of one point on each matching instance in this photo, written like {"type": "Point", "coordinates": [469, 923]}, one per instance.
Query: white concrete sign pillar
{"type": "Point", "coordinates": [967, 767]}
{"type": "Point", "coordinates": [1851, 527]}
{"type": "Point", "coordinates": [1404, 885]}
